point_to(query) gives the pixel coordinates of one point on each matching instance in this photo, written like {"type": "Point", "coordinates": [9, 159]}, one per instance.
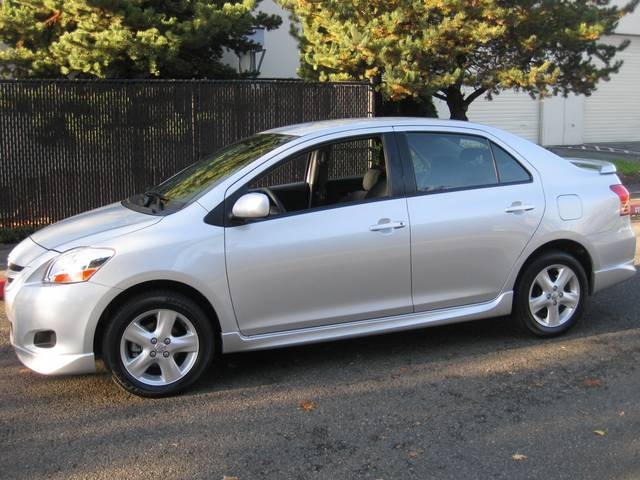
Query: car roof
{"type": "Point", "coordinates": [330, 126]}
{"type": "Point", "coordinates": [541, 157]}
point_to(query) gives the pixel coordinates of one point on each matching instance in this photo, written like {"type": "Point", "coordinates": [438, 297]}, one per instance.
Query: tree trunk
{"type": "Point", "coordinates": [407, 107]}
{"type": "Point", "coordinates": [456, 103]}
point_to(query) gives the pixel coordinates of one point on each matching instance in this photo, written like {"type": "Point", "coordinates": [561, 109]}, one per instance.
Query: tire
{"type": "Point", "coordinates": [158, 343]}
{"type": "Point", "coordinates": [551, 294]}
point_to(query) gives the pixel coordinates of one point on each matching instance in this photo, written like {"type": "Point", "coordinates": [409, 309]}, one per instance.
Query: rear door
{"type": "Point", "coordinates": [473, 207]}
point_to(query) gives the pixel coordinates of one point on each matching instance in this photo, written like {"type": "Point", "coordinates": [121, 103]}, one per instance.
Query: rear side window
{"type": "Point", "coordinates": [509, 170]}
{"type": "Point", "coordinates": [444, 161]}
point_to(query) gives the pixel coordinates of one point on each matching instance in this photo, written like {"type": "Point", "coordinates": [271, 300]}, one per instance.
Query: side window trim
{"type": "Point", "coordinates": [493, 159]}
{"type": "Point", "coordinates": [495, 163]}
{"type": "Point", "coordinates": [393, 163]}
{"type": "Point", "coordinates": [409, 177]}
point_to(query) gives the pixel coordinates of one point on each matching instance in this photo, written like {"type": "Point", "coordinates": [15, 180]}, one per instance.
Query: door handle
{"type": "Point", "coordinates": [386, 226]}
{"type": "Point", "coordinates": [519, 207]}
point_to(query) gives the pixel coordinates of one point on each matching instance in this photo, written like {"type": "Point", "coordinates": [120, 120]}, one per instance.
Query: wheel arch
{"type": "Point", "coordinates": [173, 285]}
{"type": "Point", "coordinates": [571, 247]}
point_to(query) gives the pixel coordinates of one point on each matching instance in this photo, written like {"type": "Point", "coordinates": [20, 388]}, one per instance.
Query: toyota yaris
{"type": "Point", "coordinates": [315, 232]}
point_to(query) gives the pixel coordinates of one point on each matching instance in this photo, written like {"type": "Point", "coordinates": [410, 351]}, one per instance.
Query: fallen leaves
{"type": "Point", "coordinates": [230, 478]}
{"type": "Point", "coordinates": [307, 405]}
{"type": "Point", "coordinates": [416, 452]}
{"type": "Point", "coordinates": [600, 433]}
{"type": "Point", "coordinates": [592, 382]}
{"type": "Point", "coordinates": [518, 457]}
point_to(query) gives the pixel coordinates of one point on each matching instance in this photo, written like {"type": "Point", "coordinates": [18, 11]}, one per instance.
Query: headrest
{"type": "Point", "coordinates": [471, 155]}
{"type": "Point", "coordinates": [370, 178]}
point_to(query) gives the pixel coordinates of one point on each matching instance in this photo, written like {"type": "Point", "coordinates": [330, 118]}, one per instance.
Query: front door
{"type": "Point", "coordinates": [342, 256]}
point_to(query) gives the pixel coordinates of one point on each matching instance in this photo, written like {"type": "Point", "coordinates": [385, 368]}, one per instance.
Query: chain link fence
{"type": "Point", "coordinates": [67, 146]}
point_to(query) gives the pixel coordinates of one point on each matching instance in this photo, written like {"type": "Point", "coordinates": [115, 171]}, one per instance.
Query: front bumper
{"type": "Point", "coordinates": [55, 364]}
{"type": "Point", "coordinates": [71, 311]}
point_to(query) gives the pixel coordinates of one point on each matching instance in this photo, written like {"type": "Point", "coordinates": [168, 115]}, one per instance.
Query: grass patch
{"type": "Point", "coordinates": [14, 235]}
{"type": "Point", "coordinates": [630, 168]}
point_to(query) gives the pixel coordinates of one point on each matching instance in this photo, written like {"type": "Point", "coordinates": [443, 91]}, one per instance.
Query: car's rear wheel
{"type": "Point", "coordinates": [158, 343]}
{"type": "Point", "coordinates": [551, 294]}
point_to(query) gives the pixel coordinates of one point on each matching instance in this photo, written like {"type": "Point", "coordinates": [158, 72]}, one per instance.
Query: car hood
{"type": "Point", "coordinates": [92, 227]}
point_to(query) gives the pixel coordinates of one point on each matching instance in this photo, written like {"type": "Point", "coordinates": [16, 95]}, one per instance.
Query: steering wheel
{"type": "Point", "coordinates": [274, 199]}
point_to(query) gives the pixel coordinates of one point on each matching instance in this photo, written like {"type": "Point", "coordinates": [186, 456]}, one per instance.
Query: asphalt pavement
{"type": "Point", "coordinates": [600, 151]}
{"type": "Point", "coordinates": [476, 400]}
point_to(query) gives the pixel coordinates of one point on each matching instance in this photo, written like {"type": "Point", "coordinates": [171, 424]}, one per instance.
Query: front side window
{"type": "Point", "coordinates": [354, 158]}
{"type": "Point", "coordinates": [337, 173]}
{"type": "Point", "coordinates": [292, 171]}
{"type": "Point", "coordinates": [444, 161]}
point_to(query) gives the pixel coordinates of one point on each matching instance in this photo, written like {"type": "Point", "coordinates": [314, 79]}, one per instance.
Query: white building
{"type": "Point", "coordinates": [281, 56]}
{"type": "Point", "coordinates": [610, 114]}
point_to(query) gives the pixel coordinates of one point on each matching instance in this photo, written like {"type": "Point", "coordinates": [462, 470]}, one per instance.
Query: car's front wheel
{"type": "Point", "coordinates": [551, 294]}
{"type": "Point", "coordinates": [158, 343]}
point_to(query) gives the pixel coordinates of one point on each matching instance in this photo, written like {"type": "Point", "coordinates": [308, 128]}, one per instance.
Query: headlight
{"type": "Point", "coordinates": [77, 265]}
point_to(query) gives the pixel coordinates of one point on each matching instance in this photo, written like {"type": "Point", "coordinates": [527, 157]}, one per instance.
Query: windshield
{"type": "Point", "coordinates": [178, 190]}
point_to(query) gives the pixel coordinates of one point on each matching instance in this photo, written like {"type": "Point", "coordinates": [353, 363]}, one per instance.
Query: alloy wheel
{"type": "Point", "coordinates": [159, 347]}
{"type": "Point", "coordinates": [554, 295]}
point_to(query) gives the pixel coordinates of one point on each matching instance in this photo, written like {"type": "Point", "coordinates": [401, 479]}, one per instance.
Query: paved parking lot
{"type": "Point", "coordinates": [477, 400]}
{"type": "Point", "coordinates": [602, 151]}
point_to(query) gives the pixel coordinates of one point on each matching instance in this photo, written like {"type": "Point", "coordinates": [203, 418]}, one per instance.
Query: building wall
{"type": "Point", "coordinates": [281, 58]}
{"type": "Point", "coordinates": [629, 24]}
{"type": "Point", "coordinates": [612, 112]}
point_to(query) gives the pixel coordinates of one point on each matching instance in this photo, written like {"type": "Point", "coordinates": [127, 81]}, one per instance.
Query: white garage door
{"type": "Point", "coordinates": [612, 112]}
{"type": "Point", "coordinates": [511, 111]}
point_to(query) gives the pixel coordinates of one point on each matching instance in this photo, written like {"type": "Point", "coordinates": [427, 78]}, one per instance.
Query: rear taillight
{"type": "Point", "coordinates": [625, 198]}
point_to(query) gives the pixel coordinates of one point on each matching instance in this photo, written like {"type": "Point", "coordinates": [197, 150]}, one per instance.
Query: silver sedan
{"type": "Point", "coordinates": [316, 232]}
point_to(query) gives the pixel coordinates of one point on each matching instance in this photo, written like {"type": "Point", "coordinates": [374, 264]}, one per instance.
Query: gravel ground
{"type": "Point", "coordinates": [476, 400]}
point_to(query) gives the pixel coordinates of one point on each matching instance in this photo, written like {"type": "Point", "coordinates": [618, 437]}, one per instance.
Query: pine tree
{"type": "Point", "coordinates": [459, 50]}
{"type": "Point", "coordinates": [125, 38]}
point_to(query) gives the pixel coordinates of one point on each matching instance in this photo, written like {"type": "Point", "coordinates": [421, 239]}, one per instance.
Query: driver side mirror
{"type": "Point", "coordinates": [251, 205]}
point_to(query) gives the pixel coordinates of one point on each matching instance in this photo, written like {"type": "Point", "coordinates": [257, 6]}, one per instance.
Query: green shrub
{"type": "Point", "coordinates": [14, 235]}
{"type": "Point", "coordinates": [627, 167]}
